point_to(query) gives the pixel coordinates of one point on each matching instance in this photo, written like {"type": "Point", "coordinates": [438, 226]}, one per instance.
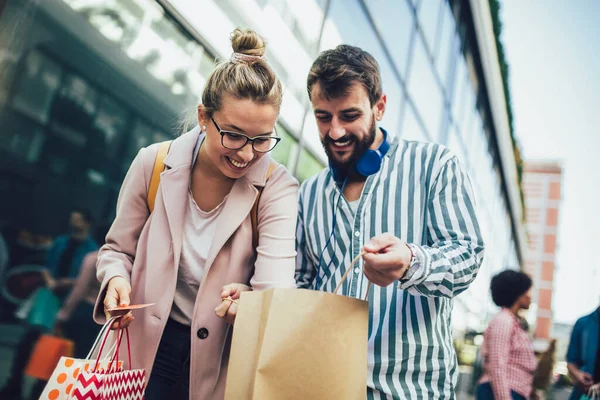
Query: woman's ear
{"type": "Point", "coordinates": [202, 117]}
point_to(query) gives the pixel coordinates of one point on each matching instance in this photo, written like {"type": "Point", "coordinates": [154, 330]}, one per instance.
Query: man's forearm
{"type": "Point", "coordinates": [573, 369]}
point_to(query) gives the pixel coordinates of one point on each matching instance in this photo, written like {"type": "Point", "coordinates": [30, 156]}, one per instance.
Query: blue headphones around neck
{"type": "Point", "coordinates": [369, 163]}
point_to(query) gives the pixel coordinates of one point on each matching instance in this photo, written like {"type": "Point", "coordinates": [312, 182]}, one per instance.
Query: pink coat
{"type": "Point", "coordinates": [145, 248]}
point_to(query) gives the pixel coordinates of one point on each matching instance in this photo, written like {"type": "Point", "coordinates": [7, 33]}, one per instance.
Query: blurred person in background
{"type": "Point", "coordinates": [509, 362]}
{"type": "Point", "coordinates": [65, 257]}
{"type": "Point", "coordinates": [583, 354]}
{"type": "Point", "coordinates": [75, 317]}
{"type": "Point", "coordinates": [195, 252]}
{"type": "Point", "coordinates": [63, 262]}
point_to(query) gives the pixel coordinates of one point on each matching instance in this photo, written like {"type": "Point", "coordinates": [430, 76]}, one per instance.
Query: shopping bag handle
{"type": "Point", "coordinates": [116, 355]}
{"type": "Point", "coordinates": [118, 344]}
{"type": "Point", "coordinates": [99, 338]}
{"type": "Point", "coordinates": [594, 392]}
{"type": "Point", "coordinates": [345, 276]}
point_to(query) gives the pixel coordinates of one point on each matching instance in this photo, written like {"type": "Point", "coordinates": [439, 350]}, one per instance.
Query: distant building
{"type": "Point", "coordinates": [542, 181]}
{"type": "Point", "coordinates": [70, 125]}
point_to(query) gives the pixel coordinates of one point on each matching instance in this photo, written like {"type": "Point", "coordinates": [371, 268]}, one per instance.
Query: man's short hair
{"type": "Point", "coordinates": [508, 286]}
{"type": "Point", "coordinates": [337, 69]}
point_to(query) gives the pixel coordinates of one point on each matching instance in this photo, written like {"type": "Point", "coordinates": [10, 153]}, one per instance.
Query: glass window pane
{"type": "Point", "coordinates": [458, 99]}
{"type": "Point", "coordinates": [74, 109]}
{"type": "Point", "coordinates": [21, 137]}
{"type": "Point", "coordinates": [8, 73]}
{"type": "Point", "coordinates": [110, 123]}
{"type": "Point", "coordinates": [456, 145]}
{"type": "Point", "coordinates": [308, 166]}
{"type": "Point", "coordinates": [395, 21]}
{"type": "Point", "coordinates": [429, 11]}
{"type": "Point", "coordinates": [37, 82]}
{"type": "Point", "coordinates": [446, 52]}
{"type": "Point", "coordinates": [142, 135]}
{"type": "Point", "coordinates": [142, 31]}
{"type": "Point", "coordinates": [348, 23]}
{"type": "Point", "coordinates": [425, 91]}
{"type": "Point", "coordinates": [411, 128]}
{"type": "Point", "coordinates": [286, 146]}
{"type": "Point", "coordinates": [468, 117]}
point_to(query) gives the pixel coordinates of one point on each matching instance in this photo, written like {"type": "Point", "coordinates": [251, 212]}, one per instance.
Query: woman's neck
{"type": "Point", "coordinates": [208, 171]}
{"type": "Point", "coordinates": [515, 309]}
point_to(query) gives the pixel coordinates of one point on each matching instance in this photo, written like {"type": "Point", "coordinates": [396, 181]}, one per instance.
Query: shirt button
{"type": "Point", "coordinates": [356, 270]}
{"type": "Point", "coordinates": [202, 333]}
{"type": "Point", "coordinates": [357, 233]}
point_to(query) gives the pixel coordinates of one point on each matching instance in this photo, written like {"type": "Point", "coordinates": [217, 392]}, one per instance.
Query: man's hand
{"type": "Point", "coordinates": [230, 295]}
{"type": "Point", "coordinates": [118, 291]}
{"type": "Point", "coordinates": [386, 259]}
{"type": "Point", "coordinates": [583, 380]}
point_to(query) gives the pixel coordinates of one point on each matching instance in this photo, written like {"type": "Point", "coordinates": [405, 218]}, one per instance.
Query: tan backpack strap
{"type": "Point", "coordinates": [254, 211]}
{"type": "Point", "coordinates": [159, 166]}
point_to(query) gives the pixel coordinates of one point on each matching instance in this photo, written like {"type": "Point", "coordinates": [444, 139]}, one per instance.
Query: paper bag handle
{"type": "Point", "coordinates": [115, 358]}
{"type": "Point", "coordinates": [99, 338]}
{"type": "Point", "coordinates": [345, 276]}
{"type": "Point", "coordinates": [118, 344]}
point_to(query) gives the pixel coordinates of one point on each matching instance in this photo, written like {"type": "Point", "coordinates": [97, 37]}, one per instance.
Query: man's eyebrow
{"type": "Point", "coordinates": [352, 109]}
{"type": "Point", "coordinates": [319, 111]}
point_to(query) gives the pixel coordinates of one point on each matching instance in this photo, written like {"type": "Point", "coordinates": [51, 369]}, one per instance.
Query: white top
{"type": "Point", "coordinates": [198, 232]}
{"type": "Point", "coordinates": [354, 205]}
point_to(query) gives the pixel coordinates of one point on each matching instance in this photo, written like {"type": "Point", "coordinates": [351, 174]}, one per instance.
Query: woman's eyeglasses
{"type": "Point", "coordinates": [235, 141]}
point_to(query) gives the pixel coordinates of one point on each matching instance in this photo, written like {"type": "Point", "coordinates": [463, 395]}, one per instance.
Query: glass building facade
{"type": "Point", "coordinates": [85, 83]}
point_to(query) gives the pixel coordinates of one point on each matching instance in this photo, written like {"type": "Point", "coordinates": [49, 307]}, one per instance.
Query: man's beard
{"type": "Point", "coordinates": [360, 147]}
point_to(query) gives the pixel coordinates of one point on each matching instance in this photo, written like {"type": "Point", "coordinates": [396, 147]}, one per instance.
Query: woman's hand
{"type": "Point", "coordinates": [230, 295]}
{"type": "Point", "coordinates": [117, 295]}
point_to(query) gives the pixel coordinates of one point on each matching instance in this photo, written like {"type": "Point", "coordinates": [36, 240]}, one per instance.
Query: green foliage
{"type": "Point", "coordinates": [504, 70]}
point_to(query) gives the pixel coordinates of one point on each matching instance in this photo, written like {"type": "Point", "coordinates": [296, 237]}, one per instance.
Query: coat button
{"type": "Point", "coordinates": [202, 333]}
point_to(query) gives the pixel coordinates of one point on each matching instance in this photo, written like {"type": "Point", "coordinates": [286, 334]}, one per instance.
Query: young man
{"type": "Point", "coordinates": [68, 251]}
{"type": "Point", "coordinates": [409, 207]}
{"type": "Point", "coordinates": [583, 355]}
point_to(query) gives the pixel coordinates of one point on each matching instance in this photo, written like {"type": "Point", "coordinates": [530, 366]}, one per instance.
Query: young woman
{"type": "Point", "coordinates": [509, 362]}
{"type": "Point", "coordinates": [195, 249]}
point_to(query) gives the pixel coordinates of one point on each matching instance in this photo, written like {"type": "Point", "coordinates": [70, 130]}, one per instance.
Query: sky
{"type": "Point", "coordinates": [553, 52]}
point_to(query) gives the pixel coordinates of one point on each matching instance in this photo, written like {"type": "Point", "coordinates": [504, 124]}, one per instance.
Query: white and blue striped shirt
{"type": "Point", "coordinates": [422, 196]}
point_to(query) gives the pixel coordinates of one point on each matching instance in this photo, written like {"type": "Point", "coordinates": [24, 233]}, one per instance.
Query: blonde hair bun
{"type": "Point", "coordinates": [246, 41]}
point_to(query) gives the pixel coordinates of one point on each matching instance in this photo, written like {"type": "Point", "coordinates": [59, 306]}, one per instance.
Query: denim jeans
{"type": "Point", "coordinates": [484, 392]}
{"type": "Point", "coordinates": [170, 377]}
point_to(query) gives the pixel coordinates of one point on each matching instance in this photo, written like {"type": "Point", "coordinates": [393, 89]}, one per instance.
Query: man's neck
{"type": "Point", "coordinates": [353, 189]}
{"type": "Point", "coordinates": [379, 136]}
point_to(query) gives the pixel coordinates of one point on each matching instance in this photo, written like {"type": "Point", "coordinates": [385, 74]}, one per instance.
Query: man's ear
{"type": "Point", "coordinates": [379, 107]}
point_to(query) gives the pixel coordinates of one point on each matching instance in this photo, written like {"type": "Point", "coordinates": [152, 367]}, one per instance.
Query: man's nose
{"type": "Point", "coordinates": [337, 130]}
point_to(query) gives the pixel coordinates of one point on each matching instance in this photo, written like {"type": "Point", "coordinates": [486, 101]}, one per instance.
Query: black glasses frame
{"type": "Point", "coordinates": [248, 139]}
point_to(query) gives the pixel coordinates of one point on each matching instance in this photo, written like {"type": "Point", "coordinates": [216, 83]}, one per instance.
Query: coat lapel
{"type": "Point", "coordinates": [175, 183]}
{"type": "Point", "coordinates": [174, 186]}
